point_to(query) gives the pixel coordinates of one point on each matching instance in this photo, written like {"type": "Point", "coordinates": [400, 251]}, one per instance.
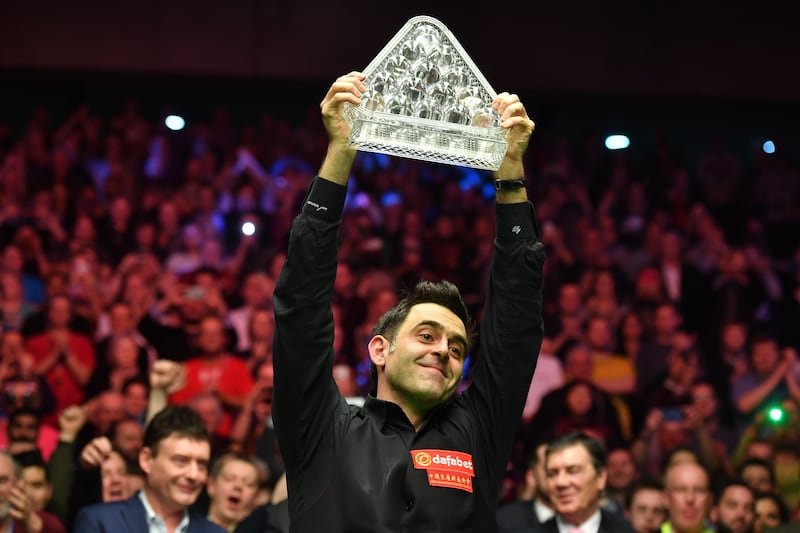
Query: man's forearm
{"type": "Point", "coordinates": [337, 164]}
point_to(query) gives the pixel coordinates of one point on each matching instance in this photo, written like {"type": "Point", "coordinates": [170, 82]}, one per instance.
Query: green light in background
{"type": "Point", "coordinates": [776, 414]}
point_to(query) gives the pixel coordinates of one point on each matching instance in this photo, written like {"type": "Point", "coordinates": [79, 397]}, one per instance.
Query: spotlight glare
{"type": "Point", "coordinates": [617, 142]}
{"type": "Point", "coordinates": [174, 122]}
{"type": "Point", "coordinates": [768, 147]}
{"type": "Point", "coordinates": [776, 414]}
{"type": "Point", "coordinates": [248, 228]}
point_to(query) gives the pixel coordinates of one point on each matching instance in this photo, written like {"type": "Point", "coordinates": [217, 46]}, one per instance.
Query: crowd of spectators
{"type": "Point", "coordinates": [672, 292]}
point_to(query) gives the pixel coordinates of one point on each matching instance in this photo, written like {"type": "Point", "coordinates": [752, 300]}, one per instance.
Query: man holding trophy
{"type": "Point", "coordinates": [415, 457]}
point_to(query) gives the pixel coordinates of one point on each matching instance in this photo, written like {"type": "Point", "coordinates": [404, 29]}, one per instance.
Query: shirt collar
{"type": "Point", "coordinates": [152, 517]}
{"type": "Point", "coordinates": [591, 525]}
{"type": "Point", "coordinates": [543, 512]}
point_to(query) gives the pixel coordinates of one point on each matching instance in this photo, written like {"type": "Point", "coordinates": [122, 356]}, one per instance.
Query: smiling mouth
{"type": "Point", "coordinates": [434, 367]}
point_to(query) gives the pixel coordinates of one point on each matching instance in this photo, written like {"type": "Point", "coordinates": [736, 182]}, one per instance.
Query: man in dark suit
{"type": "Point", "coordinates": [175, 457]}
{"type": "Point", "coordinates": [533, 506]}
{"type": "Point", "coordinates": [575, 468]}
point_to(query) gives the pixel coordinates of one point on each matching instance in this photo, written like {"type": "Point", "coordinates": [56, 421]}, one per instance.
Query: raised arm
{"type": "Point", "coordinates": [305, 394]}
{"type": "Point", "coordinates": [511, 330]}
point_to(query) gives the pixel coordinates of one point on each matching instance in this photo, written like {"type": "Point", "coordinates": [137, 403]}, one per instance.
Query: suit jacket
{"type": "Point", "coordinates": [609, 523]}
{"type": "Point", "coordinates": [517, 517]}
{"type": "Point", "coordinates": [129, 516]}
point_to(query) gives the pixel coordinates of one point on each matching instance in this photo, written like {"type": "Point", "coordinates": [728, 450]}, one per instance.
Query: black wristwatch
{"type": "Point", "coordinates": [509, 185]}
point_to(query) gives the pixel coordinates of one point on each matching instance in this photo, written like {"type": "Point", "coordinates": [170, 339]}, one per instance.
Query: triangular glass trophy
{"type": "Point", "coordinates": [427, 100]}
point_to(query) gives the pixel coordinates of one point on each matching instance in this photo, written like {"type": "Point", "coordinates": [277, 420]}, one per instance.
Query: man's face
{"type": "Point", "coordinates": [539, 475]}
{"type": "Point", "coordinates": [233, 492]}
{"type": "Point", "coordinates": [211, 337]}
{"type": "Point", "coordinates": [176, 470]}
{"type": "Point", "coordinates": [135, 399]}
{"type": "Point", "coordinates": [423, 365]}
{"type": "Point", "coordinates": [703, 400]}
{"type": "Point", "coordinates": [767, 514]}
{"type": "Point", "coordinates": [621, 470]}
{"type": "Point", "coordinates": [7, 480]}
{"type": "Point", "coordinates": [735, 509]}
{"type": "Point", "coordinates": [23, 428]}
{"type": "Point", "coordinates": [38, 488]}
{"type": "Point", "coordinates": [59, 312]}
{"type": "Point", "coordinates": [647, 511]}
{"type": "Point", "coordinates": [765, 357]}
{"type": "Point", "coordinates": [757, 477]}
{"type": "Point", "coordinates": [128, 438]}
{"type": "Point", "coordinates": [573, 483]}
{"type": "Point", "coordinates": [688, 496]}
{"type": "Point", "coordinates": [114, 480]}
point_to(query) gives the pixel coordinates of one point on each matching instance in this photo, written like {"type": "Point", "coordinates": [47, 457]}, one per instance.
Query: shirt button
{"type": "Point", "coordinates": [409, 504]}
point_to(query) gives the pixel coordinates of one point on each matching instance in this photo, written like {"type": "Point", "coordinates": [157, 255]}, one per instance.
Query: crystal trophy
{"type": "Point", "coordinates": [427, 100]}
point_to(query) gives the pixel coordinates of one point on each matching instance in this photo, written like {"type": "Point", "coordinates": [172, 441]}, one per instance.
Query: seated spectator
{"type": "Point", "coordinates": [578, 367]}
{"type": "Point", "coordinates": [232, 489]}
{"type": "Point", "coordinates": [21, 515]}
{"type": "Point", "coordinates": [622, 474]}
{"type": "Point", "coordinates": [670, 430]}
{"type": "Point", "coordinates": [25, 433]}
{"type": "Point", "coordinates": [14, 309]}
{"type": "Point", "coordinates": [675, 390]}
{"type": "Point", "coordinates": [217, 372]}
{"type": "Point", "coordinates": [759, 475]}
{"type": "Point", "coordinates": [768, 380]}
{"type": "Point", "coordinates": [645, 507]}
{"type": "Point", "coordinates": [733, 510]}
{"type": "Point", "coordinates": [533, 506]}
{"type": "Point", "coordinates": [259, 334]}
{"type": "Point", "coordinates": [122, 363]}
{"type": "Point", "coordinates": [136, 392]}
{"type": "Point", "coordinates": [22, 388]}
{"type": "Point", "coordinates": [769, 512]}
{"type": "Point", "coordinates": [256, 291]}
{"type": "Point", "coordinates": [688, 495]}
{"type": "Point", "coordinates": [65, 358]}
{"type": "Point", "coordinates": [37, 483]}
{"type": "Point", "coordinates": [576, 476]}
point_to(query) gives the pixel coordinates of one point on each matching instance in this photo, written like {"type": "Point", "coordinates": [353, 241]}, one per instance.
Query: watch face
{"type": "Point", "coordinates": [427, 100]}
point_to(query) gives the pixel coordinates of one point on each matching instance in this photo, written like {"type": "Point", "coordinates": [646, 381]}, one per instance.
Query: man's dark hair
{"type": "Point", "coordinates": [178, 420]}
{"type": "Point", "coordinates": [638, 486]}
{"type": "Point", "coordinates": [728, 484]}
{"type": "Point", "coordinates": [441, 293]}
{"type": "Point", "coordinates": [17, 413]}
{"type": "Point", "coordinates": [757, 461]}
{"type": "Point", "coordinates": [594, 447]}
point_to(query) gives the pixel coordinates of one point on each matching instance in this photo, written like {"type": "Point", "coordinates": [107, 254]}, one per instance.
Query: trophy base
{"type": "Point", "coordinates": [428, 140]}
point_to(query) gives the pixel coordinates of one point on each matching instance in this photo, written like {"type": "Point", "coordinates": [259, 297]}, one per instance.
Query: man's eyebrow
{"type": "Point", "coordinates": [438, 326]}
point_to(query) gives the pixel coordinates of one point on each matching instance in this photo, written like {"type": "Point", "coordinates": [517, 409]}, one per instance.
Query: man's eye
{"type": "Point", "coordinates": [456, 351]}
{"type": "Point", "coordinates": [426, 336]}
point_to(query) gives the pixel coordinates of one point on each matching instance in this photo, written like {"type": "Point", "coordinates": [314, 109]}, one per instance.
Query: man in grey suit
{"type": "Point", "coordinates": [575, 469]}
{"type": "Point", "coordinates": [175, 457]}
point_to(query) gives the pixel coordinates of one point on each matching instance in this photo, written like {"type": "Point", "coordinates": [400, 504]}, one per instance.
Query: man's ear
{"type": "Point", "coordinates": [378, 350]}
{"type": "Point", "coordinates": [146, 459]}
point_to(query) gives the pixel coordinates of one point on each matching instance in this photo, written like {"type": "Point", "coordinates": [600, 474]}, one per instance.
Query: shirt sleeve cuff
{"type": "Point", "coordinates": [325, 200]}
{"type": "Point", "coordinates": [516, 222]}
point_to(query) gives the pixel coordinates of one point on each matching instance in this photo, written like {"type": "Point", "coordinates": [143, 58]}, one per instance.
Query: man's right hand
{"type": "Point", "coordinates": [347, 88]}
{"type": "Point", "coordinates": [93, 453]}
{"type": "Point", "coordinates": [70, 421]}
